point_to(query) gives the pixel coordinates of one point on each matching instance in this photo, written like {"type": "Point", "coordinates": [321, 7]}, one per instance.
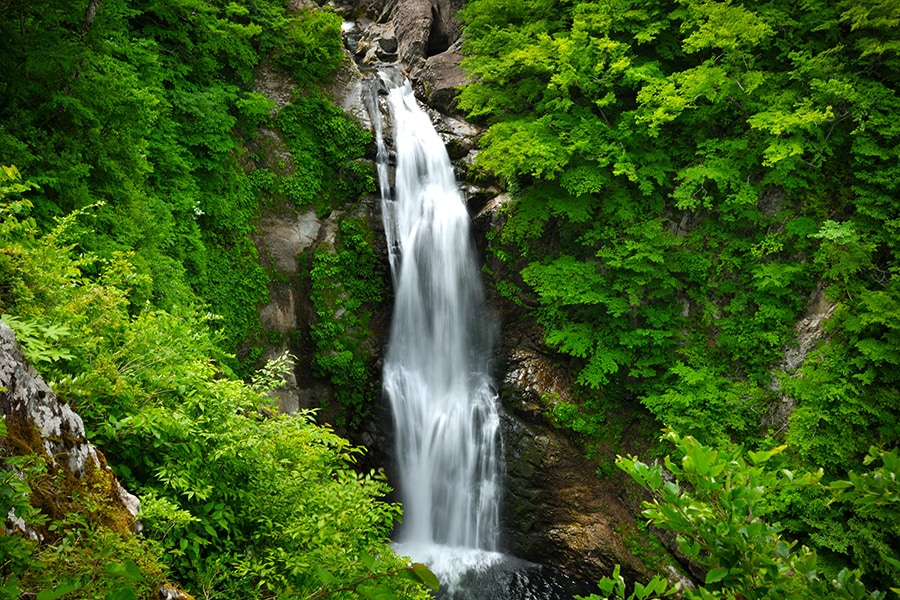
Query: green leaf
{"type": "Point", "coordinates": [757, 458]}
{"type": "Point", "coordinates": [367, 560]}
{"type": "Point", "coordinates": [375, 593]}
{"type": "Point", "coordinates": [425, 575]}
{"type": "Point", "coordinates": [127, 570]}
{"type": "Point", "coordinates": [59, 591]}
{"type": "Point", "coordinates": [717, 574]}
{"type": "Point", "coordinates": [326, 576]}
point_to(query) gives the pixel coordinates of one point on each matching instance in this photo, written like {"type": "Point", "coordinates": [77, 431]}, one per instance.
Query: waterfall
{"type": "Point", "coordinates": [436, 369]}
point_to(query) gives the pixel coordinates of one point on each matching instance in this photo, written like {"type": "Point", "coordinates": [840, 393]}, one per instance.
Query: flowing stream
{"type": "Point", "coordinates": [436, 370]}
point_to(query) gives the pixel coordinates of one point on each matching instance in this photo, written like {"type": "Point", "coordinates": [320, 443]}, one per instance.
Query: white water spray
{"type": "Point", "coordinates": [436, 371]}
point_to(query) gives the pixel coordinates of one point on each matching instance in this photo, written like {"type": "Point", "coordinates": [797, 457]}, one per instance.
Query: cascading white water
{"type": "Point", "coordinates": [436, 370]}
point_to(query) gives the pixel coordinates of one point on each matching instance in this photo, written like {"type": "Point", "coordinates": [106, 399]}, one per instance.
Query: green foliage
{"type": "Point", "coordinates": [312, 50]}
{"type": "Point", "coordinates": [325, 144]}
{"type": "Point", "coordinates": [614, 587]}
{"type": "Point", "coordinates": [687, 177]}
{"type": "Point", "coordinates": [345, 284]}
{"type": "Point", "coordinates": [146, 109]}
{"type": "Point", "coordinates": [871, 500]}
{"type": "Point", "coordinates": [852, 381]}
{"type": "Point", "coordinates": [41, 341]}
{"type": "Point", "coordinates": [370, 586]}
{"type": "Point", "coordinates": [240, 502]}
{"type": "Point", "coordinates": [15, 475]}
{"type": "Point", "coordinates": [60, 537]}
{"type": "Point", "coordinates": [715, 501]}
{"type": "Point", "coordinates": [705, 404]}
{"type": "Point", "coordinates": [131, 123]}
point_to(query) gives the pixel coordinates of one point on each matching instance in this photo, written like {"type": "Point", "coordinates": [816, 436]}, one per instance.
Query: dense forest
{"type": "Point", "coordinates": [127, 271]}
{"type": "Point", "coordinates": [689, 181]}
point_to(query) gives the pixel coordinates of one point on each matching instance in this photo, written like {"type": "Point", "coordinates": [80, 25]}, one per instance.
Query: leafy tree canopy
{"type": "Point", "coordinates": [149, 108]}
{"type": "Point", "coordinates": [690, 178]}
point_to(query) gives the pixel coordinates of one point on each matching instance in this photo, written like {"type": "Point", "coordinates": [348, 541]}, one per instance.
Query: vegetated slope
{"type": "Point", "coordinates": [147, 108]}
{"type": "Point", "coordinates": [687, 177]}
{"type": "Point", "coordinates": [128, 274]}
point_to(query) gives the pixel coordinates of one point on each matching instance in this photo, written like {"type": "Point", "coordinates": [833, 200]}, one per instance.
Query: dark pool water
{"type": "Point", "coordinates": [478, 575]}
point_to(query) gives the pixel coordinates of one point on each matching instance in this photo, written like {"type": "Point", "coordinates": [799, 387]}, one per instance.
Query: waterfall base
{"type": "Point", "coordinates": [468, 574]}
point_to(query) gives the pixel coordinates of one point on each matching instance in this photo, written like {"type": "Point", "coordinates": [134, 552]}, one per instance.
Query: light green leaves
{"type": "Point", "coordinates": [526, 146]}
{"type": "Point", "coordinates": [715, 575]}
{"type": "Point", "coordinates": [614, 587]}
{"type": "Point", "coordinates": [726, 26]}
{"type": "Point", "coordinates": [880, 486]}
{"type": "Point", "coordinates": [377, 584]}
{"type": "Point", "coordinates": [424, 575]}
{"type": "Point", "coordinates": [41, 341]}
{"type": "Point", "coordinates": [757, 458]}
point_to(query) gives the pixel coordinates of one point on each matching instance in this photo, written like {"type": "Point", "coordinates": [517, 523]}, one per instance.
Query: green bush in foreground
{"type": "Point", "coordinates": [237, 501]}
{"type": "Point", "coordinates": [715, 501]}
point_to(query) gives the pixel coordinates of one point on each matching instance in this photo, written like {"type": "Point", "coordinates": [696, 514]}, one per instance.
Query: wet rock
{"type": "Point", "coordinates": [459, 136]}
{"type": "Point", "coordinates": [422, 35]}
{"type": "Point", "coordinates": [388, 45]}
{"type": "Point", "coordinates": [440, 77]}
{"type": "Point", "coordinates": [376, 42]}
{"type": "Point", "coordinates": [287, 240]}
{"type": "Point", "coordinates": [412, 21]}
{"type": "Point", "coordinates": [348, 92]}
{"type": "Point", "coordinates": [556, 510]}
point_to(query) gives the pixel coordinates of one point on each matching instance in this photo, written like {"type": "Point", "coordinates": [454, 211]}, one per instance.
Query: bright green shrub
{"type": "Point", "coordinates": [687, 176]}
{"type": "Point", "coordinates": [146, 110]}
{"type": "Point", "coordinates": [716, 504]}
{"type": "Point", "coordinates": [312, 48]}
{"type": "Point", "coordinates": [242, 502]}
{"type": "Point", "coordinates": [325, 145]}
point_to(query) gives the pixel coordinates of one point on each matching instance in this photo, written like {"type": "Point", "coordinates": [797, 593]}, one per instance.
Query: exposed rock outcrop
{"type": "Point", "coordinates": [556, 510]}
{"type": "Point", "coordinates": [440, 76]}
{"type": "Point", "coordinates": [287, 240]}
{"type": "Point", "coordinates": [39, 423]}
{"type": "Point", "coordinates": [421, 35]}
{"type": "Point", "coordinates": [809, 331]}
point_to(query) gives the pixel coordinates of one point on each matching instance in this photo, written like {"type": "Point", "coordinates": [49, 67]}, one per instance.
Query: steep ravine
{"type": "Point", "coordinates": [556, 510]}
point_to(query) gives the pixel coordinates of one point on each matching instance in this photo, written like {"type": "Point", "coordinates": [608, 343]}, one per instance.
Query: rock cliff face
{"type": "Point", "coordinates": [423, 36]}
{"type": "Point", "coordinates": [556, 510]}
{"type": "Point", "coordinates": [38, 423]}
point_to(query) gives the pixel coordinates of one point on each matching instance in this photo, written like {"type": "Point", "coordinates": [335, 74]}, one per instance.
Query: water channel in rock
{"type": "Point", "coordinates": [437, 368]}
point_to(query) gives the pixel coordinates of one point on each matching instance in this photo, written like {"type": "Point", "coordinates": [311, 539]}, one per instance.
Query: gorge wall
{"type": "Point", "coordinates": [556, 510]}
